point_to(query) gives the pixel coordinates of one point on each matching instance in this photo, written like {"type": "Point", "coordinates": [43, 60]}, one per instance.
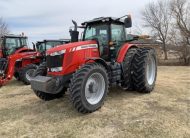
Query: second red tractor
{"type": "Point", "coordinates": [103, 58]}
{"type": "Point", "coordinates": [16, 59]}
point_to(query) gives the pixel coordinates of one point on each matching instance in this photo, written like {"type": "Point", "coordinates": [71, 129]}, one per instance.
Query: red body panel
{"type": "Point", "coordinates": [123, 52]}
{"type": "Point", "coordinates": [22, 55]}
{"type": "Point", "coordinates": [70, 45]}
{"type": "Point", "coordinates": [76, 55]}
{"type": "Point", "coordinates": [23, 50]}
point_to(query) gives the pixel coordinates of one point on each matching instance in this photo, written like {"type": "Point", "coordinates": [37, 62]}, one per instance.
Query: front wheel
{"type": "Point", "coordinates": [89, 87]}
{"type": "Point", "coordinates": [26, 73]}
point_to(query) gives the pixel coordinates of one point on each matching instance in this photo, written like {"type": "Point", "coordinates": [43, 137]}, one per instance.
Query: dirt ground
{"type": "Point", "coordinates": [163, 113]}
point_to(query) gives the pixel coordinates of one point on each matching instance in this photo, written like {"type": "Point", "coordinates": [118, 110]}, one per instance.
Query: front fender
{"type": "Point", "coordinates": [100, 61]}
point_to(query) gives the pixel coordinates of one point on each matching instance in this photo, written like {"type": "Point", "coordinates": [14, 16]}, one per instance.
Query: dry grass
{"type": "Point", "coordinates": [163, 113]}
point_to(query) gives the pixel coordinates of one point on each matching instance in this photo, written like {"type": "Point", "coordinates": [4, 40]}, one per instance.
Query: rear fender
{"type": "Point", "coordinates": [123, 51]}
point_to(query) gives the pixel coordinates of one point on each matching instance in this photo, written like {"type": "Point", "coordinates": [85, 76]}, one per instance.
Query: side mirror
{"type": "Point", "coordinates": [128, 22]}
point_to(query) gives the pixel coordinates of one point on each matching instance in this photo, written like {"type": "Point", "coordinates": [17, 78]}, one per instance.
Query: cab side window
{"type": "Point", "coordinates": [117, 37]}
{"type": "Point", "coordinates": [118, 33]}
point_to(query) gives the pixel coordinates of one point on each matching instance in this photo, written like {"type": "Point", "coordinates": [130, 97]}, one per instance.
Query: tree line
{"type": "Point", "coordinates": [169, 22]}
{"type": "Point", "coordinates": [3, 27]}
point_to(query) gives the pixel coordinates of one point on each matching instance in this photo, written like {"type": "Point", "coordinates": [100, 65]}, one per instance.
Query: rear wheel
{"type": "Point", "coordinates": [42, 71]}
{"type": "Point", "coordinates": [26, 73]}
{"type": "Point", "coordinates": [127, 66]}
{"type": "Point", "coordinates": [89, 87]}
{"type": "Point", "coordinates": [144, 69]}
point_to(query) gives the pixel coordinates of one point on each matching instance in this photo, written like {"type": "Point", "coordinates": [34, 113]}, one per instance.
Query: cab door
{"type": "Point", "coordinates": [99, 32]}
{"type": "Point", "coordinates": [118, 38]}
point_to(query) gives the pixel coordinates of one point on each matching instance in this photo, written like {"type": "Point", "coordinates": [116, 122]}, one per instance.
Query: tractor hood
{"type": "Point", "coordinates": [69, 47]}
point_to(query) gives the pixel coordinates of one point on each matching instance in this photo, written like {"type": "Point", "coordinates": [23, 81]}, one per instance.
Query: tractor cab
{"type": "Point", "coordinates": [42, 46]}
{"type": "Point", "coordinates": [11, 43]}
{"type": "Point", "coordinates": [109, 33]}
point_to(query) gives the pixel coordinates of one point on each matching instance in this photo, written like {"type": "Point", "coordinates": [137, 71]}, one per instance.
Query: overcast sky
{"type": "Point", "coordinates": [51, 19]}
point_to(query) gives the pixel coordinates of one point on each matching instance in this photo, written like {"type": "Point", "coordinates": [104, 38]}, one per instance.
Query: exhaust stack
{"type": "Point", "coordinates": [74, 33]}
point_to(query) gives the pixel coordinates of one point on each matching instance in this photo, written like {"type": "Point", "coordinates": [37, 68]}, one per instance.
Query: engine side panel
{"type": "Point", "coordinates": [75, 57]}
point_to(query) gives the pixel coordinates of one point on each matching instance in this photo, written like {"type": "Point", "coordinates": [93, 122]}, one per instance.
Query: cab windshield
{"type": "Point", "coordinates": [15, 42]}
{"type": "Point", "coordinates": [99, 32]}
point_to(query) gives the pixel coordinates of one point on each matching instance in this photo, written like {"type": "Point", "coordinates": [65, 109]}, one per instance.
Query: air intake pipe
{"type": "Point", "coordinates": [74, 33]}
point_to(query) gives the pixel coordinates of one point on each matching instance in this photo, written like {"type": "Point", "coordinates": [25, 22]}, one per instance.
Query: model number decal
{"type": "Point", "coordinates": [87, 46]}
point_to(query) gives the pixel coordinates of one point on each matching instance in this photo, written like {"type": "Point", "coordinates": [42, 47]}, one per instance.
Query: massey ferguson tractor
{"type": "Point", "coordinates": [16, 60]}
{"type": "Point", "coordinates": [88, 68]}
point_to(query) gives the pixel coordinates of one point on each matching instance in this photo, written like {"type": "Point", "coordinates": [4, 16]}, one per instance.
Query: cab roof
{"type": "Point", "coordinates": [103, 20]}
{"type": "Point", "coordinates": [59, 40]}
{"type": "Point", "coordinates": [13, 36]}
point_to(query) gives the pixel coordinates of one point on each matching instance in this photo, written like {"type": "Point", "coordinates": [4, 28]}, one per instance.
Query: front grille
{"type": "Point", "coordinates": [3, 66]}
{"type": "Point", "coordinates": [54, 61]}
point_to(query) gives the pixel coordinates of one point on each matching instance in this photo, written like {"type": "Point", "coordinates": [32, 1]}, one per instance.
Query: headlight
{"type": "Point", "coordinates": [57, 69]}
{"type": "Point", "coordinates": [58, 53]}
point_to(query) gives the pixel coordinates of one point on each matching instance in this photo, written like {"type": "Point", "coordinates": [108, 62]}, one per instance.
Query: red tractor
{"type": "Point", "coordinates": [16, 60]}
{"type": "Point", "coordinates": [43, 46]}
{"type": "Point", "coordinates": [104, 58]}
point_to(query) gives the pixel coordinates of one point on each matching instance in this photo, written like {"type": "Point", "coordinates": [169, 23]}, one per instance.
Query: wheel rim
{"type": "Point", "coordinates": [95, 88]}
{"type": "Point", "coordinates": [29, 74]}
{"type": "Point", "coordinates": [151, 70]}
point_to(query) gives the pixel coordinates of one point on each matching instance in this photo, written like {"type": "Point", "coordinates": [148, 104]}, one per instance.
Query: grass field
{"type": "Point", "coordinates": [163, 113]}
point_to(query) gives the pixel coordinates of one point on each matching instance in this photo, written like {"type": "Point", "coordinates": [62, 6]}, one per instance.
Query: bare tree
{"type": "Point", "coordinates": [3, 27]}
{"type": "Point", "coordinates": [157, 17]}
{"type": "Point", "coordinates": [181, 13]}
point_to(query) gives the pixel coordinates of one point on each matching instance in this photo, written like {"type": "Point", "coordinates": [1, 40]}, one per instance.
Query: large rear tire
{"type": "Point", "coordinates": [144, 69]}
{"type": "Point", "coordinates": [127, 69]}
{"type": "Point", "coordinates": [42, 71]}
{"type": "Point", "coordinates": [89, 87]}
{"type": "Point", "coordinates": [25, 73]}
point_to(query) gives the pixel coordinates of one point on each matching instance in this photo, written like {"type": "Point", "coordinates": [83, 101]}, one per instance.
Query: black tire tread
{"type": "Point", "coordinates": [139, 69]}
{"type": "Point", "coordinates": [23, 71]}
{"type": "Point", "coordinates": [127, 68]}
